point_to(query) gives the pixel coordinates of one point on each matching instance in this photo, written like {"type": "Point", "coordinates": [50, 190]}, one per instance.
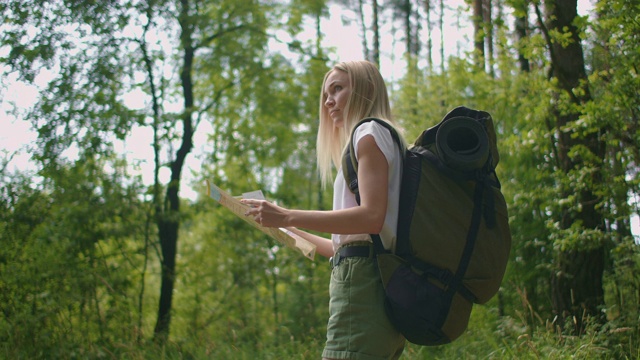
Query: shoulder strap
{"type": "Point", "coordinates": [349, 161]}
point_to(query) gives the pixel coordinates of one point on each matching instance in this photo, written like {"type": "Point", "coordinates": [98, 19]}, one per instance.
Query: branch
{"type": "Point", "coordinates": [213, 102]}
{"type": "Point", "coordinates": [5, 162]}
{"type": "Point", "coordinates": [294, 45]}
{"type": "Point", "coordinates": [545, 33]}
{"type": "Point", "coordinates": [211, 38]}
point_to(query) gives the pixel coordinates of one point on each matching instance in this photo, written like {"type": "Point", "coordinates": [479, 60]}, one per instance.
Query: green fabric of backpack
{"type": "Point", "coordinates": [453, 237]}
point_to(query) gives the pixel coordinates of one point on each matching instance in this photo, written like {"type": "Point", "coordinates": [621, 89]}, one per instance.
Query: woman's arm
{"type": "Point", "coordinates": [368, 218]}
{"type": "Point", "coordinates": [323, 245]}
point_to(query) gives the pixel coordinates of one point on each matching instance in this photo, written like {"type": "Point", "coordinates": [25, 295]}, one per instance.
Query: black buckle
{"type": "Point", "coordinates": [335, 260]}
{"type": "Point", "coordinates": [364, 251]}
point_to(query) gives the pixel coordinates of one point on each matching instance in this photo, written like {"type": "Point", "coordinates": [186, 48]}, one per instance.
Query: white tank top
{"type": "Point", "coordinates": [343, 198]}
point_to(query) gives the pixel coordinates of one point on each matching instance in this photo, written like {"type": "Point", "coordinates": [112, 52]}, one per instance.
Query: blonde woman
{"type": "Point", "coordinates": [358, 327]}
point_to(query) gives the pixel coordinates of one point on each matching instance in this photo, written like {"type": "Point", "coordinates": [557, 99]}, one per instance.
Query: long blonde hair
{"type": "Point", "coordinates": [368, 98]}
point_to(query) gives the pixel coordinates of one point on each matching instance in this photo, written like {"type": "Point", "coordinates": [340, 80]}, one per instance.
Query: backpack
{"type": "Point", "coordinates": [453, 238]}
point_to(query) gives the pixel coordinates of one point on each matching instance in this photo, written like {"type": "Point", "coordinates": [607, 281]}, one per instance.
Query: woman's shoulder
{"type": "Point", "coordinates": [377, 130]}
{"type": "Point", "coordinates": [381, 135]}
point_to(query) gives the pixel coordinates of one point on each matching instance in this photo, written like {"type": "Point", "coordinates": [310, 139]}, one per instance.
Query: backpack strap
{"type": "Point", "coordinates": [472, 236]}
{"type": "Point", "coordinates": [349, 161]}
{"type": "Point", "coordinates": [444, 276]}
{"type": "Point", "coordinates": [350, 169]}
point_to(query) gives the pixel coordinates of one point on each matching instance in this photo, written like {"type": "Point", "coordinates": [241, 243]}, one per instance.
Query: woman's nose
{"type": "Point", "coordinates": [329, 102]}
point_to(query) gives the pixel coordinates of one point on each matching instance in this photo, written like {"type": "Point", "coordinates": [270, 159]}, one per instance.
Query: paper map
{"type": "Point", "coordinates": [281, 235]}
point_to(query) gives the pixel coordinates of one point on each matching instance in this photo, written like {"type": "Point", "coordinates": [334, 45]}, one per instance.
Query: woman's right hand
{"type": "Point", "coordinates": [266, 213]}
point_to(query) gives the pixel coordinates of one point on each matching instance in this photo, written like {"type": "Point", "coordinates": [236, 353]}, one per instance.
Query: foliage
{"type": "Point", "coordinates": [69, 264]}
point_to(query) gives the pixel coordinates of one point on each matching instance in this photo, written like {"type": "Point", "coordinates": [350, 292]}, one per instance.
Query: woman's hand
{"type": "Point", "coordinates": [271, 215]}
{"type": "Point", "coordinates": [266, 213]}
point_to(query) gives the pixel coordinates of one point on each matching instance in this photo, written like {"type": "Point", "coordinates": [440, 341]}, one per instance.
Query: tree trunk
{"type": "Point", "coordinates": [157, 209]}
{"type": "Point", "coordinates": [375, 53]}
{"type": "Point", "coordinates": [521, 24]}
{"type": "Point", "coordinates": [577, 291]}
{"type": "Point", "coordinates": [363, 25]}
{"type": "Point", "coordinates": [406, 17]}
{"type": "Point", "coordinates": [488, 26]}
{"type": "Point", "coordinates": [442, 59]}
{"type": "Point", "coordinates": [427, 9]}
{"type": "Point", "coordinates": [169, 222]}
{"type": "Point", "coordinates": [478, 32]}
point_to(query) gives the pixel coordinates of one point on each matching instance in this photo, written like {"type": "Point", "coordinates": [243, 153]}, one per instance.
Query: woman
{"type": "Point", "coordinates": [358, 327]}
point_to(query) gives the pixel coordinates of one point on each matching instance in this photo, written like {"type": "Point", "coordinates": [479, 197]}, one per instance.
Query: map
{"type": "Point", "coordinates": [281, 235]}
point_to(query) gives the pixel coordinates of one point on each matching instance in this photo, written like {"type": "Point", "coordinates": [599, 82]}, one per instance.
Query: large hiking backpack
{"type": "Point", "coordinates": [453, 238]}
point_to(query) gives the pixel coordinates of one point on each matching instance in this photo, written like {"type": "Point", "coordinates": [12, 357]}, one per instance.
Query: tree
{"type": "Point", "coordinates": [479, 34]}
{"type": "Point", "coordinates": [375, 25]}
{"type": "Point", "coordinates": [521, 24]}
{"type": "Point", "coordinates": [410, 18]}
{"type": "Point", "coordinates": [577, 282]}
{"type": "Point", "coordinates": [428, 7]}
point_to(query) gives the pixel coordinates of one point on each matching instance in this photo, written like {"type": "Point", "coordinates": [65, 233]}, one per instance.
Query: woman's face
{"type": "Point", "coordinates": [337, 90]}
